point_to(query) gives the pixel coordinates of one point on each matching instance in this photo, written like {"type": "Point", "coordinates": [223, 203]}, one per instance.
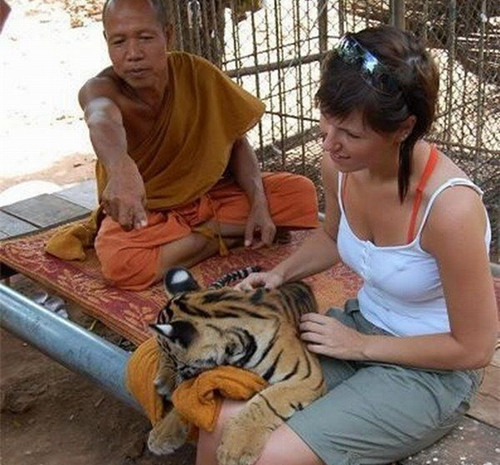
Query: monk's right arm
{"type": "Point", "coordinates": [124, 196]}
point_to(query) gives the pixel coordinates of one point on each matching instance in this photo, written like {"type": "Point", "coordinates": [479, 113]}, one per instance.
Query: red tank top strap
{"type": "Point", "coordinates": [429, 168]}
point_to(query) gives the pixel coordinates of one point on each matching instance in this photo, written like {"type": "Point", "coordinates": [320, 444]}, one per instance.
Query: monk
{"type": "Point", "coordinates": [177, 179]}
{"type": "Point", "coordinates": [4, 13]}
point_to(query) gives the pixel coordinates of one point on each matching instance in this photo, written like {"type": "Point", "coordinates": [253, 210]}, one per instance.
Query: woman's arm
{"type": "Point", "coordinates": [318, 252]}
{"type": "Point", "coordinates": [454, 235]}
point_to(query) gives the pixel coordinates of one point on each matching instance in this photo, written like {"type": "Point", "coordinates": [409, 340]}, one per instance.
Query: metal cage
{"type": "Point", "coordinates": [273, 48]}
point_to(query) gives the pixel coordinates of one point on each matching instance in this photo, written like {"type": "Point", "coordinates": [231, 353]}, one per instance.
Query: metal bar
{"type": "Point", "coordinates": [323, 25]}
{"type": "Point", "coordinates": [342, 17]}
{"type": "Point", "coordinates": [67, 343]}
{"type": "Point", "coordinates": [279, 65]}
{"type": "Point", "coordinates": [281, 84]}
{"type": "Point", "coordinates": [300, 94]}
{"type": "Point", "coordinates": [269, 42]}
{"type": "Point", "coordinates": [236, 40]}
{"type": "Point", "coordinates": [255, 54]}
{"type": "Point", "coordinates": [452, 52]}
{"type": "Point", "coordinates": [398, 14]}
{"type": "Point", "coordinates": [480, 87]}
{"type": "Point", "coordinates": [206, 48]}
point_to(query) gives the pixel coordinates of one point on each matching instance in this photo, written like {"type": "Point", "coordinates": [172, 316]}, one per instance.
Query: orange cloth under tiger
{"type": "Point", "coordinates": [198, 400]}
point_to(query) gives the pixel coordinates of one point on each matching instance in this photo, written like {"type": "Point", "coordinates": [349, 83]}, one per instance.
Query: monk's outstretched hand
{"type": "Point", "coordinates": [259, 223]}
{"type": "Point", "coordinates": [124, 197]}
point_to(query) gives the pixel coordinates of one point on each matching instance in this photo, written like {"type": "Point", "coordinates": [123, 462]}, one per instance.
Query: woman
{"type": "Point", "coordinates": [403, 360]}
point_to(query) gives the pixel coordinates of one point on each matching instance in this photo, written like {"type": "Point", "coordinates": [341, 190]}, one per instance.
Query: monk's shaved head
{"type": "Point", "coordinates": [159, 7]}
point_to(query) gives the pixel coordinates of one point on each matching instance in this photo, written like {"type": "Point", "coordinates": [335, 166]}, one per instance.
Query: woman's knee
{"type": "Point", "coordinates": [209, 441]}
{"type": "Point", "coordinates": [283, 446]}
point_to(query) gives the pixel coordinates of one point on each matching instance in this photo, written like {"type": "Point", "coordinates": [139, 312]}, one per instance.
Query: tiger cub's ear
{"type": "Point", "coordinates": [182, 332]}
{"type": "Point", "coordinates": [178, 280]}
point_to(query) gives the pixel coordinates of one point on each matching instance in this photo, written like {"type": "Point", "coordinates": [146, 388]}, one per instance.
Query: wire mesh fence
{"type": "Point", "coordinates": [274, 48]}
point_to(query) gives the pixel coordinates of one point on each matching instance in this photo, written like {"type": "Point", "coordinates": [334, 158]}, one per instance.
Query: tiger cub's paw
{"type": "Point", "coordinates": [240, 446]}
{"type": "Point", "coordinates": [168, 434]}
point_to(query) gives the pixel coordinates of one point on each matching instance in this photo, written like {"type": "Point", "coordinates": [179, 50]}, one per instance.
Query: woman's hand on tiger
{"type": "Point", "coordinates": [268, 279]}
{"type": "Point", "coordinates": [326, 336]}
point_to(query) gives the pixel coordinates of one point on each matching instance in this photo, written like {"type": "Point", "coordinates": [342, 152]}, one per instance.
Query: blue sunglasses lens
{"type": "Point", "coordinates": [373, 71]}
{"type": "Point", "coordinates": [370, 63]}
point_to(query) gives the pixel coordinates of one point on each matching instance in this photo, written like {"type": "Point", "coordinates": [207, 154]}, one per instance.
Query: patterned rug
{"type": "Point", "coordinates": [128, 313]}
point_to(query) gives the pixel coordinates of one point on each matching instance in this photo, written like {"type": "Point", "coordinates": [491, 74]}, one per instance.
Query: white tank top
{"type": "Point", "coordinates": [402, 291]}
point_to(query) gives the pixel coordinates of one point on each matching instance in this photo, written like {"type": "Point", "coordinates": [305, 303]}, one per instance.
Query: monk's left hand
{"type": "Point", "coordinates": [259, 221]}
{"type": "Point", "coordinates": [327, 336]}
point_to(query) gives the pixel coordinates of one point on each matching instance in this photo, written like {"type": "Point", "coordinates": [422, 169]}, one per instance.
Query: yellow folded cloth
{"type": "Point", "coordinates": [141, 372]}
{"type": "Point", "coordinates": [70, 242]}
{"type": "Point", "coordinates": [199, 399]}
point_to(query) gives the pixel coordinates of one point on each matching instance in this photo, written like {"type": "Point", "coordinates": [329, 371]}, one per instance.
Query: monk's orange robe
{"type": "Point", "coordinates": [130, 259]}
{"type": "Point", "coordinates": [182, 162]}
{"type": "Point", "coordinates": [185, 154]}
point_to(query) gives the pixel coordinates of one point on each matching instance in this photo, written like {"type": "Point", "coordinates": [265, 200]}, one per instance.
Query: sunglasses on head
{"type": "Point", "coordinates": [372, 70]}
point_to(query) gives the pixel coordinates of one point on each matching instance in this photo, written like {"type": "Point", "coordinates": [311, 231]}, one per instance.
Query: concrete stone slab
{"type": "Point", "coordinates": [11, 226]}
{"type": "Point", "coordinates": [83, 194]}
{"type": "Point", "coordinates": [470, 443]}
{"type": "Point", "coordinates": [46, 210]}
{"type": "Point", "coordinates": [486, 406]}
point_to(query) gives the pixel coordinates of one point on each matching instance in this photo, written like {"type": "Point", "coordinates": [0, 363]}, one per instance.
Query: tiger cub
{"type": "Point", "coordinates": [200, 329]}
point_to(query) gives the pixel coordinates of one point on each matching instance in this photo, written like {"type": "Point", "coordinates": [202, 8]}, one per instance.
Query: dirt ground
{"type": "Point", "coordinates": [48, 414]}
{"type": "Point", "coordinates": [52, 416]}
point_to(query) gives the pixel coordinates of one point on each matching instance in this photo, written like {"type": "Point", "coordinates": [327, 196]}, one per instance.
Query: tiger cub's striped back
{"type": "Point", "coordinates": [257, 330]}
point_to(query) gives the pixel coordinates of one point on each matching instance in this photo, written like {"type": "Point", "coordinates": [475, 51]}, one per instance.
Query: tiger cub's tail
{"type": "Point", "coordinates": [234, 275]}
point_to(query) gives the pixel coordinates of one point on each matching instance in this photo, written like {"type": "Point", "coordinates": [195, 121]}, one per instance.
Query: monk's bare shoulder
{"type": "Point", "coordinates": [106, 84]}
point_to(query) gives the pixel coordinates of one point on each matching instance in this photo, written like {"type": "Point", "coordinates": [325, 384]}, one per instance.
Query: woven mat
{"type": "Point", "coordinates": [128, 313]}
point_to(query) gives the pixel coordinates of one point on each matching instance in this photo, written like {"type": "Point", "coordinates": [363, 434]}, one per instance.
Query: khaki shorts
{"type": "Point", "coordinates": [378, 413]}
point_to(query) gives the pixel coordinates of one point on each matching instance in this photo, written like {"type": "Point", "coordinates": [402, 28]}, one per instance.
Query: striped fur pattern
{"type": "Point", "coordinates": [200, 329]}
{"type": "Point", "coordinates": [233, 276]}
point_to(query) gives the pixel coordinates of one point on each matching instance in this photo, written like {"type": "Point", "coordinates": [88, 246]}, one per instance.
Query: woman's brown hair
{"type": "Point", "coordinates": [344, 89]}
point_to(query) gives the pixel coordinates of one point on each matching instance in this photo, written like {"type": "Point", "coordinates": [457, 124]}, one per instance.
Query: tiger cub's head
{"type": "Point", "coordinates": [200, 329]}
